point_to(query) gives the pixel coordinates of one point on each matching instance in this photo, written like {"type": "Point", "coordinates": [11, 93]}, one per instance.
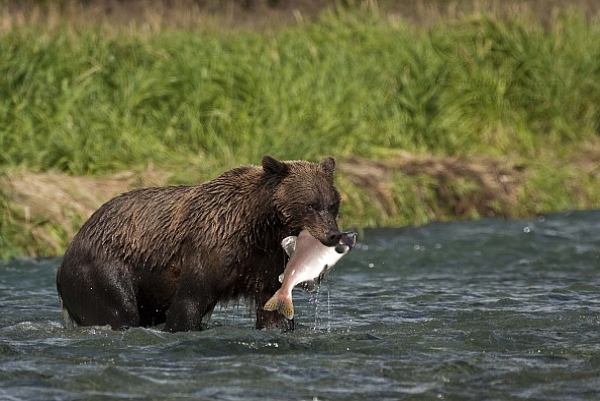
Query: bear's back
{"type": "Point", "coordinates": [151, 225]}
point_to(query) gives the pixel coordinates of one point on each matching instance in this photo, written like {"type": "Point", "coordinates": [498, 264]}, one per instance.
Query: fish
{"type": "Point", "coordinates": [309, 261]}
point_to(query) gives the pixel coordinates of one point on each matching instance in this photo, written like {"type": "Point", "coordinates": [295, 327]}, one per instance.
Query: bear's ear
{"type": "Point", "coordinates": [273, 166]}
{"type": "Point", "coordinates": [328, 165]}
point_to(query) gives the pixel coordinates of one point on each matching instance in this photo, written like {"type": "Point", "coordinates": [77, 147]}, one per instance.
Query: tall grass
{"type": "Point", "coordinates": [349, 84]}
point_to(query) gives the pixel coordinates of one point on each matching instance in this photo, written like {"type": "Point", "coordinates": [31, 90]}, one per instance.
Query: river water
{"type": "Point", "coordinates": [483, 310]}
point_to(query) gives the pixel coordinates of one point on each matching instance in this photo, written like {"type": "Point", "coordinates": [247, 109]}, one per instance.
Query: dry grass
{"type": "Point", "coordinates": [52, 206]}
{"type": "Point", "coordinates": [155, 16]}
{"type": "Point", "coordinates": [495, 180]}
{"type": "Point", "coordinates": [66, 201]}
{"type": "Point", "coordinates": [57, 195]}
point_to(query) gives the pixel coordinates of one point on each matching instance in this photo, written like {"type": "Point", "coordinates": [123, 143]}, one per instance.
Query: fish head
{"type": "Point", "coordinates": [347, 242]}
{"type": "Point", "coordinates": [348, 238]}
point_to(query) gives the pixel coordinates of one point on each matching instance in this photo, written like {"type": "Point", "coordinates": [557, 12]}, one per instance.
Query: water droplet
{"type": "Point", "coordinates": [371, 265]}
{"type": "Point", "coordinates": [527, 229]}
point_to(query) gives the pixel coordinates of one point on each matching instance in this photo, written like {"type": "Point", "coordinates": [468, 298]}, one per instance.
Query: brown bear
{"type": "Point", "coordinates": [171, 254]}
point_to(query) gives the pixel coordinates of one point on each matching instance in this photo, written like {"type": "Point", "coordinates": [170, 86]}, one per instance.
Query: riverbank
{"type": "Point", "coordinates": [44, 210]}
{"type": "Point", "coordinates": [455, 114]}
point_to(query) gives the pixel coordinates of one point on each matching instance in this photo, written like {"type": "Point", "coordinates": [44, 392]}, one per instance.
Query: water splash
{"type": "Point", "coordinates": [315, 300]}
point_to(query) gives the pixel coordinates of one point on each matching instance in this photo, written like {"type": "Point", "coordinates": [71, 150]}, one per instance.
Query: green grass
{"type": "Point", "coordinates": [350, 84]}
{"type": "Point", "coordinates": [84, 101]}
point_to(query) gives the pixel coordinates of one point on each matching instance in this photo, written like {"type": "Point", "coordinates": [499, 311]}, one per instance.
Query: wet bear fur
{"type": "Point", "coordinates": [171, 254]}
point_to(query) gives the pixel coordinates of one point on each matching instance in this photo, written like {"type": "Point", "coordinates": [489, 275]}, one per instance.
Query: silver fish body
{"type": "Point", "coordinates": [309, 261]}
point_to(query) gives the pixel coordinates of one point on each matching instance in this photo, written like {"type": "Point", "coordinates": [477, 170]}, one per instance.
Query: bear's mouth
{"type": "Point", "coordinates": [332, 238]}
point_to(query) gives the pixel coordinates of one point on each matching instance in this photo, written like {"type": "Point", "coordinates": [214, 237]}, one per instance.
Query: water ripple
{"type": "Point", "coordinates": [490, 309]}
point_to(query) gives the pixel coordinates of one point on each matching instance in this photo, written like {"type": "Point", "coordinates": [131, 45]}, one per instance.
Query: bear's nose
{"type": "Point", "coordinates": [332, 238]}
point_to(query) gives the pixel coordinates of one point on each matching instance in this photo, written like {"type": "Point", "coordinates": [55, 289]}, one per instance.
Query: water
{"type": "Point", "coordinates": [486, 310]}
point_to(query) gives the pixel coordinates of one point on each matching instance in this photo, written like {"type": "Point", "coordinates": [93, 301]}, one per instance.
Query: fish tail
{"type": "Point", "coordinates": [282, 304]}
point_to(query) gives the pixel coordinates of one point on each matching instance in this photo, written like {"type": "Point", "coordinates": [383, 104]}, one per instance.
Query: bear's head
{"type": "Point", "coordinates": [306, 197]}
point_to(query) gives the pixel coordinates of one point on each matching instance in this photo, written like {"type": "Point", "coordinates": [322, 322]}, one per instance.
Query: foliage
{"type": "Point", "coordinates": [348, 84]}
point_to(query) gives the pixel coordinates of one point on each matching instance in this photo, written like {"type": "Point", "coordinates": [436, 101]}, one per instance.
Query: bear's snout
{"type": "Point", "coordinates": [332, 238]}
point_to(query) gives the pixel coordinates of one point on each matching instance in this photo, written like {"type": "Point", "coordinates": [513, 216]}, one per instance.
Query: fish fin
{"type": "Point", "coordinates": [308, 285]}
{"type": "Point", "coordinates": [289, 244]}
{"type": "Point", "coordinates": [319, 279]}
{"type": "Point", "coordinates": [281, 304]}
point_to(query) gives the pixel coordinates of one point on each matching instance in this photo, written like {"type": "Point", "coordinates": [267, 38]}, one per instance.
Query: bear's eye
{"type": "Point", "coordinates": [333, 208]}
{"type": "Point", "coordinates": [312, 206]}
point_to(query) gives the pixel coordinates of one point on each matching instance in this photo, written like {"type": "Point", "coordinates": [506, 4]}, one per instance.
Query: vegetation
{"type": "Point", "coordinates": [512, 93]}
